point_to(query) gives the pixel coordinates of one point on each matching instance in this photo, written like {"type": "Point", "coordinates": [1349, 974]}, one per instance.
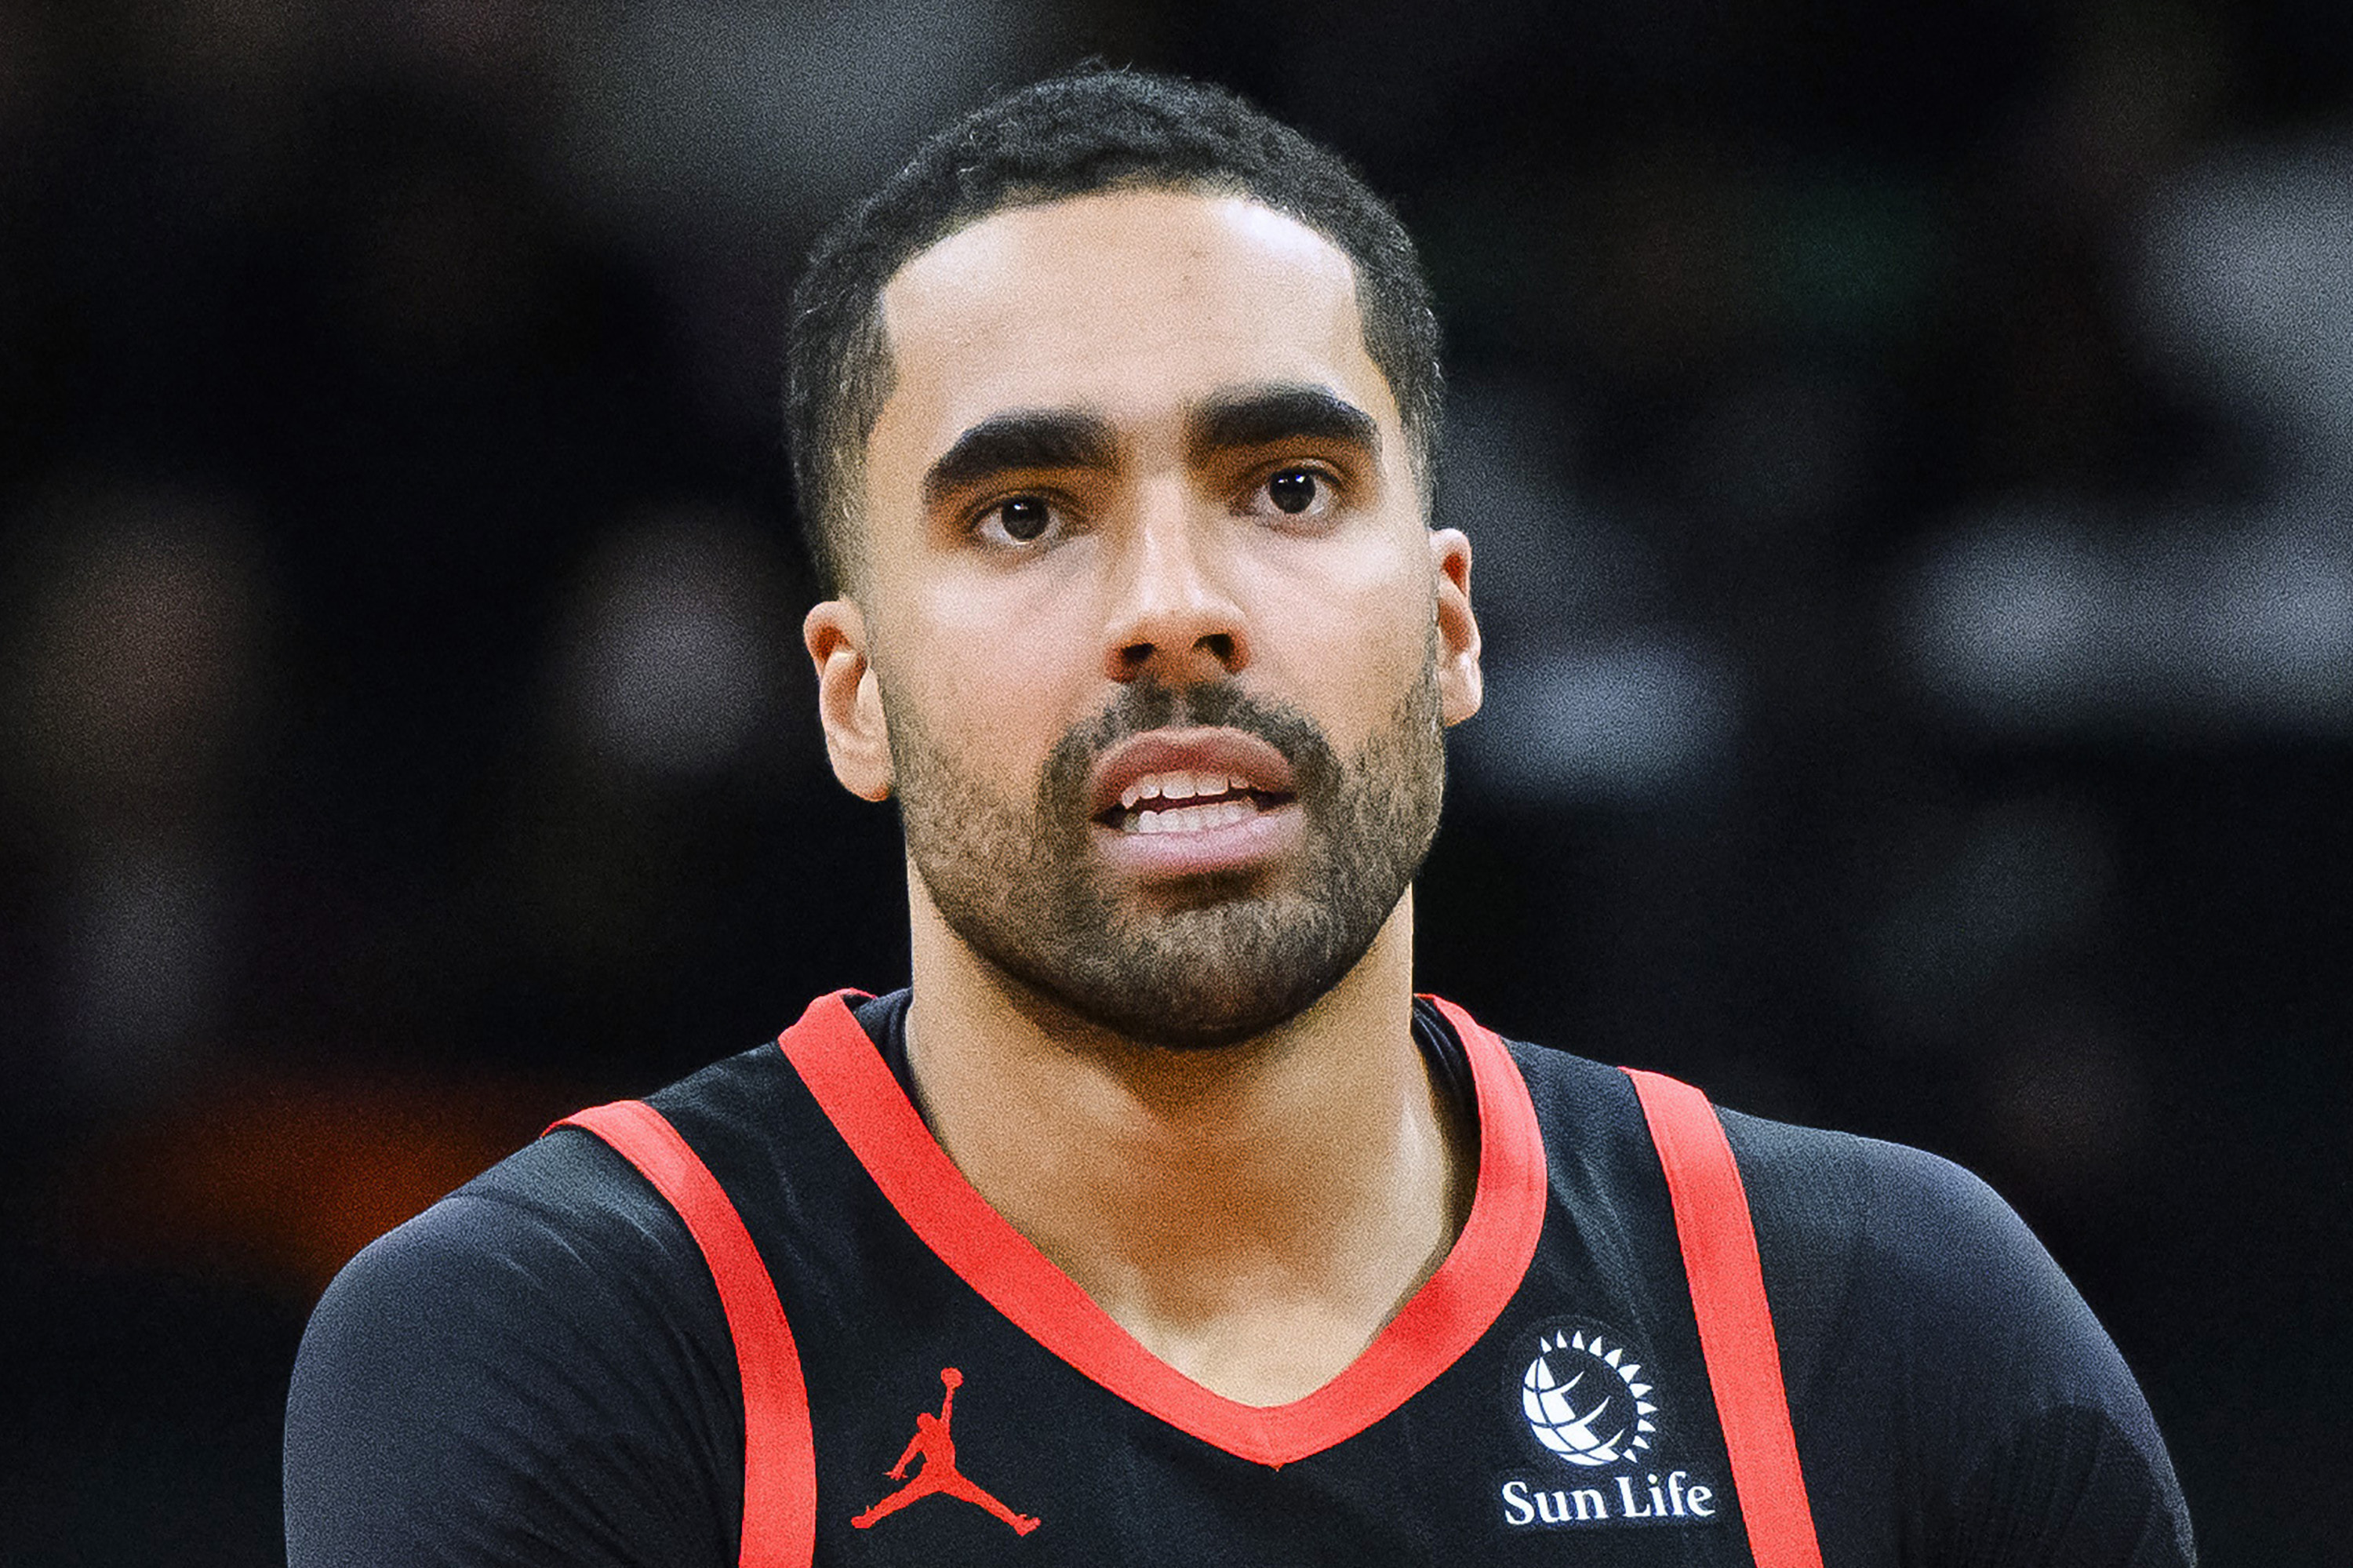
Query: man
{"type": "Point", "coordinates": [1115, 414]}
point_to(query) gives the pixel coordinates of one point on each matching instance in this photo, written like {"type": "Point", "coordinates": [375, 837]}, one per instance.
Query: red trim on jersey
{"type": "Point", "coordinates": [1443, 1320]}
{"type": "Point", "coordinates": [779, 1449]}
{"type": "Point", "coordinates": [1735, 1324]}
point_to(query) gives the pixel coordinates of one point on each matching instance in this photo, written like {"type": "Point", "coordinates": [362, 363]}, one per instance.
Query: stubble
{"type": "Point", "coordinates": [1212, 959]}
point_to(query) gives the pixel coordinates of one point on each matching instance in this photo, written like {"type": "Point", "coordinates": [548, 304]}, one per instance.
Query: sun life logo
{"type": "Point", "coordinates": [1584, 1400]}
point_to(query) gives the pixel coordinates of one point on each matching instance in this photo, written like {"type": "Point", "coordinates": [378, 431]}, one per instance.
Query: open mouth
{"type": "Point", "coordinates": [1191, 803]}
{"type": "Point", "coordinates": [1184, 800]}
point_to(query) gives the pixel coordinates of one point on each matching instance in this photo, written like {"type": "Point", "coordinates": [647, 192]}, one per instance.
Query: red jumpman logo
{"type": "Point", "coordinates": [933, 1445]}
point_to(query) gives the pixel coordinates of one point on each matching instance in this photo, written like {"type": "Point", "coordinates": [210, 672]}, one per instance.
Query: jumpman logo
{"type": "Point", "coordinates": [936, 1450]}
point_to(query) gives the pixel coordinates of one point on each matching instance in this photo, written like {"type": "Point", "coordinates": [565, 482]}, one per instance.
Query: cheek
{"type": "Point", "coordinates": [994, 676]}
{"type": "Point", "coordinates": [1346, 640]}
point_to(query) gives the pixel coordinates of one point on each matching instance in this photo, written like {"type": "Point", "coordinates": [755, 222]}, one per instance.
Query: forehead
{"type": "Point", "coordinates": [1132, 303]}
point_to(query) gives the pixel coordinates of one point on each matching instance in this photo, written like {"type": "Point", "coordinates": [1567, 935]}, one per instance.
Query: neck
{"type": "Point", "coordinates": [1253, 1213]}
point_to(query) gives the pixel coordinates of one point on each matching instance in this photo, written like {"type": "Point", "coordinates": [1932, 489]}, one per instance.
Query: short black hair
{"type": "Point", "coordinates": [1070, 135]}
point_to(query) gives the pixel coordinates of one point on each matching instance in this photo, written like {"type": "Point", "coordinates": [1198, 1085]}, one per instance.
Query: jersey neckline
{"type": "Point", "coordinates": [855, 1088]}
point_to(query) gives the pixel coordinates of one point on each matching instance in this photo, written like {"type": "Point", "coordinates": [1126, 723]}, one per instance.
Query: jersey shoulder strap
{"type": "Point", "coordinates": [1718, 1239]}
{"type": "Point", "coordinates": [779, 1527]}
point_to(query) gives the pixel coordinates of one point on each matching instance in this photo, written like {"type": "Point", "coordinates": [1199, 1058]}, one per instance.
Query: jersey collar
{"type": "Point", "coordinates": [1453, 1308]}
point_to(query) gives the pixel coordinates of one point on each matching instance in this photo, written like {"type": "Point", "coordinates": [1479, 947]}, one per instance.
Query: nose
{"type": "Point", "coordinates": [1174, 619]}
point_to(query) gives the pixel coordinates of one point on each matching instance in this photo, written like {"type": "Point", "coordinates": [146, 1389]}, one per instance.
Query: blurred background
{"type": "Point", "coordinates": [1909, 452]}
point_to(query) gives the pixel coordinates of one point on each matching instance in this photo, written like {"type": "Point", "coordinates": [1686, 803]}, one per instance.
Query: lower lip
{"type": "Point", "coordinates": [1236, 846]}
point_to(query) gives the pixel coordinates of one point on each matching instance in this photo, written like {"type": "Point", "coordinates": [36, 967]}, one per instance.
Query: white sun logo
{"type": "Point", "coordinates": [1619, 1407]}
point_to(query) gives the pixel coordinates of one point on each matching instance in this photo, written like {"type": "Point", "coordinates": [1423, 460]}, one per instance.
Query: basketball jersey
{"type": "Point", "coordinates": [921, 1385]}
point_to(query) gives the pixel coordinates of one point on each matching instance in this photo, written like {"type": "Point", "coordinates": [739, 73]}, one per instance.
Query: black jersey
{"type": "Point", "coordinates": [541, 1370]}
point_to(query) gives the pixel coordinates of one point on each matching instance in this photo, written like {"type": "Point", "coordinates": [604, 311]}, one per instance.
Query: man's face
{"type": "Point", "coordinates": [1149, 635]}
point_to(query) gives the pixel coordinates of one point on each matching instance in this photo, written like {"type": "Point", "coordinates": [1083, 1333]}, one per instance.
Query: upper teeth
{"type": "Point", "coordinates": [1180, 784]}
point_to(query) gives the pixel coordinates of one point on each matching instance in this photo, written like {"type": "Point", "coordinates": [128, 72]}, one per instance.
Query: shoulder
{"type": "Point", "coordinates": [1914, 1218]}
{"type": "Point", "coordinates": [1948, 1384]}
{"type": "Point", "coordinates": [1844, 1225]}
{"type": "Point", "coordinates": [1893, 1242]}
{"type": "Point", "coordinates": [564, 1218]}
{"type": "Point", "coordinates": [1842, 1221]}
{"type": "Point", "coordinates": [564, 1215]}
{"type": "Point", "coordinates": [1906, 1292]}
{"type": "Point", "coordinates": [538, 1361]}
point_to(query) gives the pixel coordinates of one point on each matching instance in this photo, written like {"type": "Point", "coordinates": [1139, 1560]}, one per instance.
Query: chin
{"type": "Point", "coordinates": [1203, 978]}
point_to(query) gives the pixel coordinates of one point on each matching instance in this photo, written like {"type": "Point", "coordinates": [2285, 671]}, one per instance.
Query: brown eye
{"type": "Point", "coordinates": [1025, 517]}
{"type": "Point", "coordinates": [1292, 490]}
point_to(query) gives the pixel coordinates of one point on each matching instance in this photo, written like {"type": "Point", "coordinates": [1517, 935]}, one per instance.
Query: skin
{"type": "Point", "coordinates": [1253, 1211]}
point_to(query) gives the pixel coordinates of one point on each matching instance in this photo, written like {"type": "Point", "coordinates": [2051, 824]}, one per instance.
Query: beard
{"type": "Point", "coordinates": [1207, 961]}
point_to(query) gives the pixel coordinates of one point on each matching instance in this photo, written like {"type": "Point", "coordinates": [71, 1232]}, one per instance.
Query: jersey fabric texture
{"type": "Point", "coordinates": [540, 1368]}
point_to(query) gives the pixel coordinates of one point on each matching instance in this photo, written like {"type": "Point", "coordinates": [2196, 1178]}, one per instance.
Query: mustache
{"type": "Point", "coordinates": [1143, 706]}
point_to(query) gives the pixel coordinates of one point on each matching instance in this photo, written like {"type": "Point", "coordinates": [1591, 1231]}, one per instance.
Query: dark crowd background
{"type": "Point", "coordinates": [1908, 447]}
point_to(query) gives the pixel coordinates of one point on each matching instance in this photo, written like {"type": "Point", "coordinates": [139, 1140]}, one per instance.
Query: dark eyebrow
{"type": "Point", "coordinates": [1024, 439]}
{"type": "Point", "coordinates": [1262, 416]}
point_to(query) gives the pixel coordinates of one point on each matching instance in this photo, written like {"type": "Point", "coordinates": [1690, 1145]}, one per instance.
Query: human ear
{"type": "Point", "coordinates": [1461, 685]}
{"type": "Point", "coordinates": [849, 700]}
